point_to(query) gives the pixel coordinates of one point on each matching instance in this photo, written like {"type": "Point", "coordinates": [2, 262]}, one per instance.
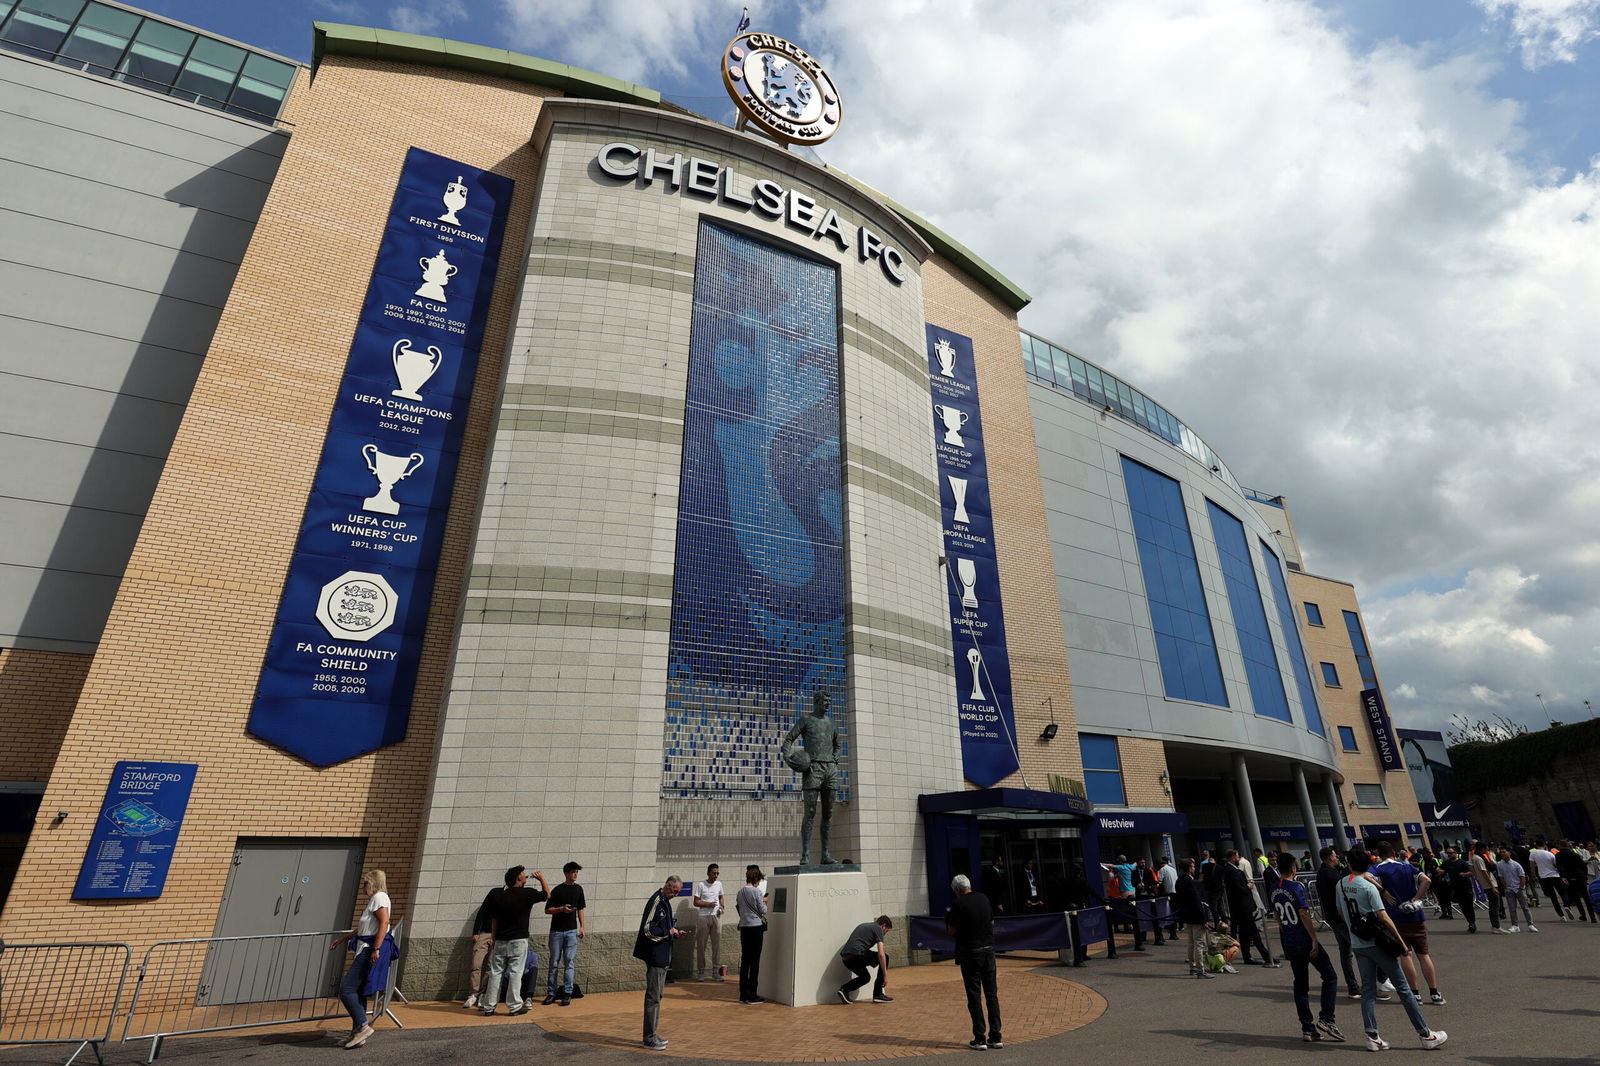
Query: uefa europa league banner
{"type": "Point", "coordinates": [972, 577]}
{"type": "Point", "coordinates": [341, 665]}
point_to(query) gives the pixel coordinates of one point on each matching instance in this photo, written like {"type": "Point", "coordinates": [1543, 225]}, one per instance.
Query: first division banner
{"type": "Point", "coordinates": [972, 576]}
{"type": "Point", "coordinates": [341, 665]}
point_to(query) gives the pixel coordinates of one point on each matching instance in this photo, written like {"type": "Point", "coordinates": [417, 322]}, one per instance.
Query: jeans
{"type": "Point", "coordinates": [1375, 964]}
{"type": "Point", "coordinates": [858, 965]}
{"type": "Point", "coordinates": [1514, 898]}
{"type": "Point", "coordinates": [563, 960]}
{"type": "Point", "coordinates": [978, 976]}
{"type": "Point", "coordinates": [1300, 962]}
{"type": "Point", "coordinates": [655, 979]}
{"type": "Point", "coordinates": [751, 937]}
{"type": "Point", "coordinates": [707, 930]}
{"type": "Point", "coordinates": [350, 988]}
{"type": "Point", "coordinates": [1341, 933]}
{"type": "Point", "coordinates": [506, 964]}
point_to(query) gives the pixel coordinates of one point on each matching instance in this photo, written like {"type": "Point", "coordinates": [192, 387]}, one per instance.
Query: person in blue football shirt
{"type": "Point", "coordinates": [1363, 904]}
{"type": "Point", "coordinates": [1300, 946]}
{"type": "Point", "coordinates": [1404, 889]}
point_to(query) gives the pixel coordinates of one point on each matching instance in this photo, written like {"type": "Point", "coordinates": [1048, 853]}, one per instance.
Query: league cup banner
{"type": "Point", "coordinates": [341, 664]}
{"type": "Point", "coordinates": [130, 850]}
{"type": "Point", "coordinates": [1383, 738]}
{"type": "Point", "coordinates": [972, 578]}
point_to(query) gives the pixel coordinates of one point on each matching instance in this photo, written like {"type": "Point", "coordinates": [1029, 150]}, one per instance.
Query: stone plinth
{"type": "Point", "coordinates": [811, 914]}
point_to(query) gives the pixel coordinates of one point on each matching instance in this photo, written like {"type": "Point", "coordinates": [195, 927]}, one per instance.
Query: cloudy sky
{"type": "Point", "coordinates": [1354, 244]}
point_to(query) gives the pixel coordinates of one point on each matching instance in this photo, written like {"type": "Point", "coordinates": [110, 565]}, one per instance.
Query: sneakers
{"type": "Point", "coordinates": [1354, 993]}
{"type": "Point", "coordinates": [519, 1012]}
{"type": "Point", "coordinates": [1202, 973]}
{"type": "Point", "coordinates": [359, 1037]}
{"type": "Point", "coordinates": [882, 997]}
{"type": "Point", "coordinates": [1228, 968]}
{"type": "Point", "coordinates": [1532, 928]}
{"type": "Point", "coordinates": [1516, 928]}
{"type": "Point", "coordinates": [1385, 987]}
{"type": "Point", "coordinates": [1502, 932]}
{"type": "Point", "coordinates": [1376, 1043]}
{"type": "Point", "coordinates": [978, 1045]}
{"type": "Point", "coordinates": [844, 997]}
{"type": "Point", "coordinates": [565, 1001]}
{"type": "Point", "coordinates": [1434, 1039]}
{"type": "Point", "coordinates": [472, 1001]}
{"type": "Point", "coordinates": [1382, 996]}
{"type": "Point", "coordinates": [1437, 999]}
{"type": "Point", "coordinates": [655, 1043]}
{"type": "Point", "coordinates": [1331, 1030]}
{"type": "Point", "coordinates": [551, 998]}
{"type": "Point", "coordinates": [487, 1012]}
{"type": "Point", "coordinates": [1310, 1036]}
{"type": "Point", "coordinates": [995, 1044]}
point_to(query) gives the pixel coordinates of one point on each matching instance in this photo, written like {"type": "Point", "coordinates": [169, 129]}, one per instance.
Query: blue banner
{"type": "Point", "coordinates": [341, 664]}
{"type": "Point", "coordinates": [137, 828]}
{"type": "Point", "coordinates": [1383, 738]}
{"type": "Point", "coordinates": [972, 576]}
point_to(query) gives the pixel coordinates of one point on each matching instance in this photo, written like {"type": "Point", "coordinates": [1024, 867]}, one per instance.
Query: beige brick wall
{"type": "Point", "coordinates": [182, 650]}
{"type": "Point", "coordinates": [1039, 676]}
{"type": "Point", "coordinates": [38, 690]}
{"type": "Point", "coordinates": [1143, 763]}
{"type": "Point", "coordinates": [1330, 643]}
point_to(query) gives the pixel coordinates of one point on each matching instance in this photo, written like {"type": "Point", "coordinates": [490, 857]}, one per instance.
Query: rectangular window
{"type": "Point", "coordinates": [100, 38]}
{"type": "Point", "coordinates": [1358, 644]}
{"type": "Point", "coordinates": [37, 27]}
{"type": "Point", "coordinates": [1371, 796]}
{"type": "Point", "coordinates": [1291, 637]}
{"type": "Point", "coordinates": [1347, 738]}
{"type": "Point", "coordinates": [1313, 614]}
{"type": "Point", "coordinates": [1249, 617]}
{"type": "Point", "coordinates": [1102, 770]}
{"type": "Point", "coordinates": [157, 55]}
{"type": "Point", "coordinates": [1330, 676]}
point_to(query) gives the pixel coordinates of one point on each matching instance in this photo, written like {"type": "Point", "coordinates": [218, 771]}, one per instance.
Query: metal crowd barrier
{"type": "Point", "coordinates": [61, 993]}
{"type": "Point", "coordinates": [213, 984]}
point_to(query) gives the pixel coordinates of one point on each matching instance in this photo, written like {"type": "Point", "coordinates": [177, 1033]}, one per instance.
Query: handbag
{"type": "Point", "coordinates": [1370, 928]}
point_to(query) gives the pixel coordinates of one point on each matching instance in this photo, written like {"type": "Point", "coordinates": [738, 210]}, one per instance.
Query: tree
{"type": "Point", "coordinates": [1489, 731]}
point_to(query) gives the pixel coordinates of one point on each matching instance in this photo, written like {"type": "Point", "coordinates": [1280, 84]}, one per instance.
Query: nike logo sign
{"type": "Point", "coordinates": [1439, 812]}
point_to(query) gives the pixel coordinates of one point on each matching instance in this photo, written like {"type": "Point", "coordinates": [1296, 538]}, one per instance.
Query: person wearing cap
{"type": "Point", "coordinates": [565, 908]}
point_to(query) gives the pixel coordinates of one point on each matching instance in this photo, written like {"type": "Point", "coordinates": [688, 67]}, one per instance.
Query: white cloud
{"type": "Point", "coordinates": [1547, 31]}
{"type": "Point", "coordinates": [622, 38]}
{"type": "Point", "coordinates": [430, 18]}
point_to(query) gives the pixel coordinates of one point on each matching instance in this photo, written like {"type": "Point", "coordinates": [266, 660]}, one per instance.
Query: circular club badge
{"type": "Point", "coordinates": [357, 606]}
{"type": "Point", "coordinates": [780, 89]}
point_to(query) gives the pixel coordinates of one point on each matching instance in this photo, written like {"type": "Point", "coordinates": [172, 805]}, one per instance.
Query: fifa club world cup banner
{"type": "Point", "coordinates": [341, 665]}
{"type": "Point", "coordinates": [972, 576]}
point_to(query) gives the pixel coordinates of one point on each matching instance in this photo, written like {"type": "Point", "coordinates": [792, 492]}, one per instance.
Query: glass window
{"type": "Point", "coordinates": [37, 27]}
{"type": "Point", "coordinates": [100, 37]}
{"type": "Point", "coordinates": [211, 71]}
{"type": "Point", "coordinates": [262, 87]}
{"type": "Point", "coordinates": [1291, 639]}
{"type": "Point", "coordinates": [1313, 614]}
{"type": "Point", "coordinates": [1102, 770]}
{"type": "Point", "coordinates": [1358, 644]}
{"type": "Point", "coordinates": [1097, 393]}
{"type": "Point", "coordinates": [1330, 675]}
{"type": "Point", "coordinates": [156, 56]}
{"type": "Point", "coordinates": [1080, 379]}
{"type": "Point", "coordinates": [1186, 647]}
{"type": "Point", "coordinates": [1371, 796]}
{"type": "Point", "coordinates": [1249, 616]}
{"type": "Point", "coordinates": [1027, 356]}
{"type": "Point", "coordinates": [1347, 738]}
{"type": "Point", "coordinates": [1124, 403]}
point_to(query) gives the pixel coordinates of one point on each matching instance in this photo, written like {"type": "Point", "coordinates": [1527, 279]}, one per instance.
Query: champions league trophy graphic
{"type": "Point", "coordinates": [947, 358]}
{"type": "Point", "coordinates": [967, 573]}
{"type": "Point", "coordinates": [388, 469]}
{"type": "Point", "coordinates": [436, 274]}
{"type": "Point", "coordinates": [958, 490]}
{"type": "Point", "coordinates": [975, 660]}
{"type": "Point", "coordinates": [412, 368]}
{"type": "Point", "coordinates": [952, 417]}
{"type": "Point", "coordinates": [455, 198]}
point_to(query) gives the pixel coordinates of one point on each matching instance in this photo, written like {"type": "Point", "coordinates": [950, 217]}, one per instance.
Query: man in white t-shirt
{"type": "Point", "coordinates": [708, 924]}
{"type": "Point", "coordinates": [1544, 868]}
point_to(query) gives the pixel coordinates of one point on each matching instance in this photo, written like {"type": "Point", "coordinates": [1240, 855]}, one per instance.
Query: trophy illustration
{"type": "Point", "coordinates": [455, 198]}
{"type": "Point", "coordinates": [952, 417]}
{"type": "Point", "coordinates": [967, 573]}
{"type": "Point", "coordinates": [947, 358]}
{"type": "Point", "coordinates": [436, 273]}
{"type": "Point", "coordinates": [388, 469]}
{"type": "Point", "coordinates": [958, 489]}
{"type": "Point", "coordinates": [975, 660]}
{"type": "Point", "coordinates": [412, 368]}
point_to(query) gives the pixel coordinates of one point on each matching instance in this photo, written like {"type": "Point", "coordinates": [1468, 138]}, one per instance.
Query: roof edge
{"type": "Point", "coordinates": [367, 42]}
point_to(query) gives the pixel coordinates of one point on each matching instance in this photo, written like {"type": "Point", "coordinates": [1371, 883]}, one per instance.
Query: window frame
{"type": "Point", "coordinates": [1310, 609]}
{"type": "Point", "coordinates": [1347, 739]}
{"type": "Point", "coordinates": [1330, 675]}
{"type": "Point", "coordinates": [1382, 792]}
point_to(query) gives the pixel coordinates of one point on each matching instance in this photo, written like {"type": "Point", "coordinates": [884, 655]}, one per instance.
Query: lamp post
{"type": "Point", "coordinates": [1540, 697]}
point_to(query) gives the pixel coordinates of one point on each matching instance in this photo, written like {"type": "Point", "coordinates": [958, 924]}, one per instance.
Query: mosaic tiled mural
{"type": "Point", "coordinates": [758, 588]}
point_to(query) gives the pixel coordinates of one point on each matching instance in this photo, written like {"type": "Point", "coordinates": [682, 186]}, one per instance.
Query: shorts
{"type": "Point", "coordinates": [1415, 934]}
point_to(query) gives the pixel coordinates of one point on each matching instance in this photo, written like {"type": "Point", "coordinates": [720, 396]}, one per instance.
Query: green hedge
{"type": "Point", "coordinates": [1481, 765]}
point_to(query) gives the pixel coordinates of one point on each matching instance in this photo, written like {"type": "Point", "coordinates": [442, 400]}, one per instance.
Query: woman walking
{"type": "Point", "coordinates": [752, 910]}
{"type": "Point", "coordinates": [370, 942]}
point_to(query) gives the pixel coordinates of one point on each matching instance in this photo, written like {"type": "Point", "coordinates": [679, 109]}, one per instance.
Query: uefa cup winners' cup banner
{"type": "Point", "coordinates": [341, 665]}
{"type": "Point", "coordinates": [972, 578]}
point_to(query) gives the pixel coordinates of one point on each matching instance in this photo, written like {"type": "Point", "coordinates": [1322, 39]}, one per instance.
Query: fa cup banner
{"type": "Point", "coordinates": [971, 576]}
{"type": "Point", "coordinates": [341, 665]}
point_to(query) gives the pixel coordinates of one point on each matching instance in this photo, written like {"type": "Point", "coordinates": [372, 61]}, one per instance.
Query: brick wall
{"type": "Point", "coordinates": [37, 692]}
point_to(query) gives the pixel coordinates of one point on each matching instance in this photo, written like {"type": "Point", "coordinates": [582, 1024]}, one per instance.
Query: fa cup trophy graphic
{"type": "Point", "coordinates": [436, 274]}
{"type": "Point", "coordinates": [455, 198]}
{"type": "Point", "coordinates": [412, 368]}
{"type": "Point", "coordinates": [388, 469]}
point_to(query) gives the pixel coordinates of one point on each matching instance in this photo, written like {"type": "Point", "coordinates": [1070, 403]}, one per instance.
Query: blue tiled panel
{"type": "Point", "coordinates": [1291, 637]}
{"type": "Point", "coordinates": [758, 584]}
{"type": "Point", "coordinates": [1249, 617]}
{"type": "Point", "coordinates": [1185, 644]}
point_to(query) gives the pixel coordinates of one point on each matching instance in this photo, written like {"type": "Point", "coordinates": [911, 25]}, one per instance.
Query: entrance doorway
{"type": "Point", "coordinates": [274, 887]}
{"type": "Point", "coordinates": [1057, 856]}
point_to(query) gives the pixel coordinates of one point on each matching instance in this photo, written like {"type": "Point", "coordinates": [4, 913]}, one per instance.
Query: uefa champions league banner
{"type": "Point", "coordinates": [972, 578]}
{"type": "Point", "coordinates": [341, 665]}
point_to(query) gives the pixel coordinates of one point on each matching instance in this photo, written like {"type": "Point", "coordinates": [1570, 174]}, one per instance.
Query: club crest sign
{"type": "Point", "coordinates": [780, 89]}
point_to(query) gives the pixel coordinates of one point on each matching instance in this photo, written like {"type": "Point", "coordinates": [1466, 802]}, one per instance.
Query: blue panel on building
{"type": "Point", "coordinates": [1291, 637]}
{"type": "Point", "coordinates": [1249, 618]}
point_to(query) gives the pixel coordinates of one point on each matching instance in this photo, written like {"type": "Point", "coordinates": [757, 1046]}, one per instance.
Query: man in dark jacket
{"type": "Point", "coordinates": [1242, 906]}
{"type": "Point", "coordinates": [971, 921]}
{"type": "Point", "coordinates": [653, 947]}
{"type": "Point", "coordinates": [1574, 881]}
{"type": "Point", "coordinates": [1328, 875]}
{"type": "Point", "coordinates": [1190, 907]}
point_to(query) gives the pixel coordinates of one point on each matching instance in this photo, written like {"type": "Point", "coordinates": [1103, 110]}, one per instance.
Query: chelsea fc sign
{"type": "Point", "coordinates": [780, 89]}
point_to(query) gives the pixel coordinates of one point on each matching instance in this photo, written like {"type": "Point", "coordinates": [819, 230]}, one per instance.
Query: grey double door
{"type": "Point", "coordinates": [277, 887]}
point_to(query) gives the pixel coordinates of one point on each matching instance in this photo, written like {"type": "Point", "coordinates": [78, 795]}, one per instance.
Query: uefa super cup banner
{"type": "Point", "coordinates": [972, 578]}
{"type": "Point", "coordinates": [341, 665]}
